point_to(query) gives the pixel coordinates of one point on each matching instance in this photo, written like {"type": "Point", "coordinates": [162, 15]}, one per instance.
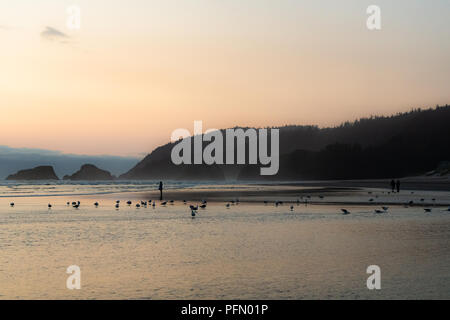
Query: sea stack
{"type": "Point", "coordinates": [90, 172]}
{"type": "Point", "coordinates": [38, 173]}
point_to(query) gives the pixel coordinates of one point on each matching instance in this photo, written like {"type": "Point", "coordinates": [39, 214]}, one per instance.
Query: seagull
{"type": "Point", "coordinates": [164, 203]}
{"type": "Point", "coordinates": [203, 206]}
{"type": "Point", "coordinates": [49, 205]}
{"type": "Point", "coordinates": [129, 202]}
{"type": "Point", "coordinates": [345, 211]}
{"type": "Point", "coordinates": [96, 204]}
{"type": "Point", "coordinates": [117, 205]}
{"type": "Point", "coordinates": [68, 203]}
{"type": "Point", "coordinates": [76, 205]}
{"type": "Point", "coordinates": [228, 205]}
{"type": "Point", "coordinates": [378, 211]}
{"type": "Point", "coordinates": [292, 208]}
{"type": "Point", "coordinates": [138, 205]}
{"type": "Point", "coordinates": [154, 204]}
{"type": "Point", "coordinates": [193, 213]}
{"type": "Point", "coordinates": [427, 209]}
{"type": "Point", "coordinates": [12, 204]}
{"type": "Point", "coordinates": [117, 201]}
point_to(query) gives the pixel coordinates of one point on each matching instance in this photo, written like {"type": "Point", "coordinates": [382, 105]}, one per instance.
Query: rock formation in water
{"type": "Point", "coordinates": [90, 172]}
{"type": "Point", "coordinates": [38, 173]}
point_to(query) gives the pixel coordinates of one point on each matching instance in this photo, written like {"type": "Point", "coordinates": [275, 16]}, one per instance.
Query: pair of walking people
{"type": "Point", "coordinates": [395, 185]}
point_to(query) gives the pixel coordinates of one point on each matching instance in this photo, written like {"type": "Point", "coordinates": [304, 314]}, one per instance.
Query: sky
{"type": "Point", "coordinates": [137, 70]}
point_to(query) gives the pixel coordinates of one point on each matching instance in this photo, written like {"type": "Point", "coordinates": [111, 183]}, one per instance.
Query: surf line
{"type": "Point", "coordinates": [213, 152]}
{"type": "Point", "coordinates": [193, 310]}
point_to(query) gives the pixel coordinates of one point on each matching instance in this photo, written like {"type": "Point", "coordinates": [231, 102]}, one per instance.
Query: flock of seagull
{"type": "Point", "coordinates": [194, 208]}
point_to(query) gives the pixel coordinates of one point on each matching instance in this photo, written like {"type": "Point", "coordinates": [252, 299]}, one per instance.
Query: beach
{"type": "Point", "coordinates": [249, 250]}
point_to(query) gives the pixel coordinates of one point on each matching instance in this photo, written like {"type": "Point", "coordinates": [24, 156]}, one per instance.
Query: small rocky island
{"type": "Point", "coordinates": [38, 173]}
{"type": "Point", "coordinates": [90, 172]}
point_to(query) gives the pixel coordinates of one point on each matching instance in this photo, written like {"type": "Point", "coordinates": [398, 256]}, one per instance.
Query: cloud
{"type": "Point", "coordinates": [53, 34]}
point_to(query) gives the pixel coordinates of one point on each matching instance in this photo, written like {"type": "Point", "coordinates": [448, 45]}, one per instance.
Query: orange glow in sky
{"type": "Point", "coordinates": [137, 70]}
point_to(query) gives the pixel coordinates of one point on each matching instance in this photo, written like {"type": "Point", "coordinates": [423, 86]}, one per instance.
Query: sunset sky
{"type": "Point", "coordinates": [139, 69]}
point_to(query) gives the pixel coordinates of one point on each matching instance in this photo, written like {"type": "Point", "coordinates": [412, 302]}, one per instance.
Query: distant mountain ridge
{"type": "Point", "coordinates": [14, 159]}
{"type": "Point", "coordinates": [407, 143]}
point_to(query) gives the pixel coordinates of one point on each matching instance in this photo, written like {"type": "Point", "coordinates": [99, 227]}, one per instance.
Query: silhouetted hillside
{"type": "Point", "coordinates": [408, 143]}
{"type": "Point", "coordinates": [90, 172]}
{"type": "Point", "coordinates": [38, 173]}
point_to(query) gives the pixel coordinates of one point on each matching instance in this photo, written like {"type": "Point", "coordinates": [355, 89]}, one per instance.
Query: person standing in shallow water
{"type": "Point", "coordinates": [398, 185]}
{"type": "Point", "coordinates": [393, 185]}
{"type": "Point", "coordinates": [160, 190]}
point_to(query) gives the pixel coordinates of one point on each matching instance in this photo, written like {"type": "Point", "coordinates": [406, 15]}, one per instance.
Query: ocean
{"type": "Point", "coordinates": [249, 250]}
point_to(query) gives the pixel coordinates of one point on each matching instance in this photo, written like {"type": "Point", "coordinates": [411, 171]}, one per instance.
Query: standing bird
{"type": "Point", "coordinates": [203, 206]}
{"type": "Point", "coordinates": [292, 208]}
{"type": "Point", "coordinates": [129, 202]}
{"type": "Point", "coordinates": [345, 211]}
{"type": "Point", "coordinates": [138, 205]}
{"type": "Point", "coordinates": [153, 205]}
{"type": "Point", "coordinates": [96, 204]}
{"type": "Point", "coordinates": [49, 206]}
{"type": "Point", "coordinates": [117, 205]}
{"type": "Point", "coordinates": [12, 204]}
{"type": "Point", "coordinates": [228, 206]}
{"type": "Point", "coordinates": [193, 213]}
{"type": "Point", "coordinates": [164, 203]}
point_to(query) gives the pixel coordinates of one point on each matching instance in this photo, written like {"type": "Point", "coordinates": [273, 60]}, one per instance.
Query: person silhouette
{"type": "Point", "coordinates": [160, 190]}
{"type": "Point", "coordinates": [398, 185]}
{"type": "Point", "coordinates": [393, 185]}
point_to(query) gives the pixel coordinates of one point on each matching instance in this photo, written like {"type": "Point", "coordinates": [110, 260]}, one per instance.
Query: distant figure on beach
{"type": "Point", "coordinates": [398, 185]}
{"type": "Point", "coordinates": [393, 185]}
{"type": "Point", "coordinates": [160, 190]}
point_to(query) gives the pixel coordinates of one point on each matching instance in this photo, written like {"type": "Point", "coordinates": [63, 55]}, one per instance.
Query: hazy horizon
{"type": "Point", "coordinates": [135, 72]}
